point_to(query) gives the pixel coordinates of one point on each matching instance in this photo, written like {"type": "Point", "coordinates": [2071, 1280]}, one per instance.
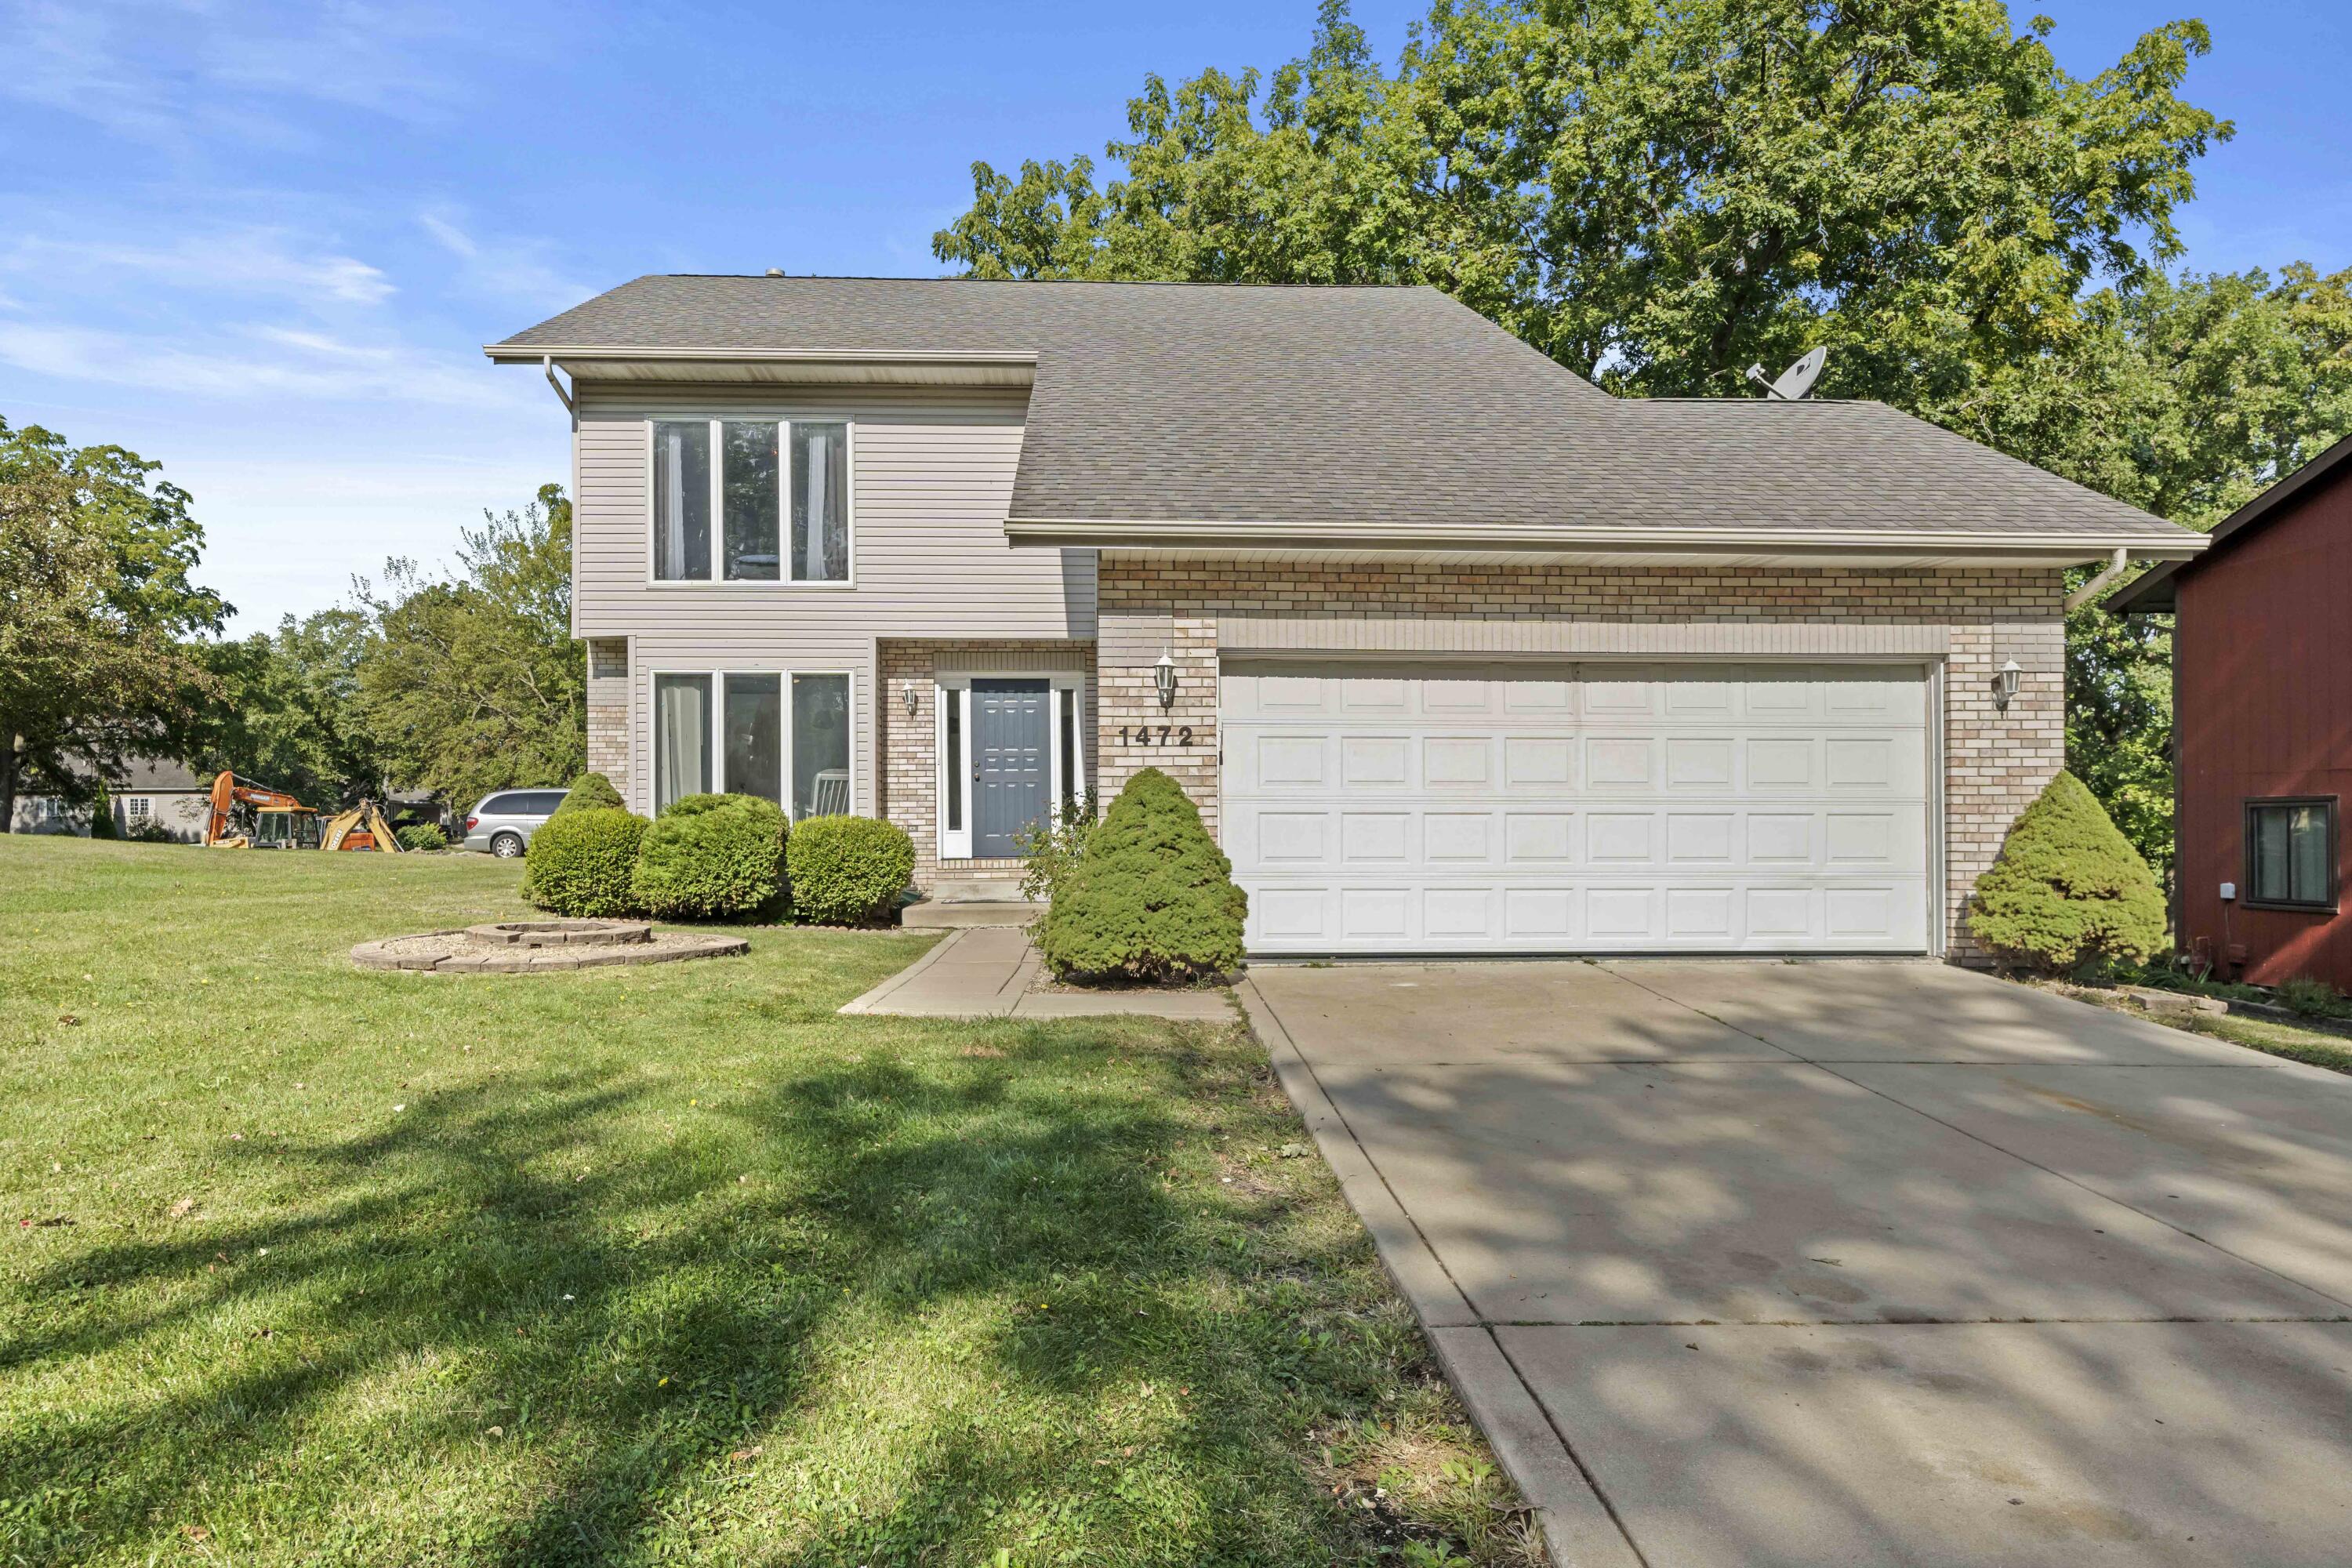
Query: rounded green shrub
{"type": "Point", "coordinates": [1152, 897]}
{"type": "Point", "coordinates": [585, 864]}
{"type": "Point", "coordinates": [590, 792]}
{"type": "Point", "coordinates": [2068, 889]}
{"type": "Point", "coordinates": [711, 856]}
{"type": "Point", "coordinates": [847, 870]}
{"type": "Point", "coordinates": [423, 836]}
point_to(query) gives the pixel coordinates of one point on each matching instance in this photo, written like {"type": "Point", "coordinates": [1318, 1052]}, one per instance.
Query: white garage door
{"type": "Point", "coordinates": [1590, 808]}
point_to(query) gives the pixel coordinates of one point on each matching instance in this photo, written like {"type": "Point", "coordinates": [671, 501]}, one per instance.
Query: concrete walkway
{"type": "Point", "coordinates": [992, 971]}
{"type": "Point", "coordinates": [1772, 1264]}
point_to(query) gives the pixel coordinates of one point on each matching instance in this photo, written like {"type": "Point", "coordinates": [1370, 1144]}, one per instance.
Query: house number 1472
{"type": "Point", "coordinates": [1145, 735]}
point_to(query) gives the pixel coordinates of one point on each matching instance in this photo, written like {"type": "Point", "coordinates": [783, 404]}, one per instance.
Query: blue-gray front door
{"type": "Point", "coordinates": [1011, 736]}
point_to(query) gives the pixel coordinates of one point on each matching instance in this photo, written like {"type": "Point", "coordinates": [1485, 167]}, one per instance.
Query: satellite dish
{"type": "Point", "coordinates": [1796, 382]}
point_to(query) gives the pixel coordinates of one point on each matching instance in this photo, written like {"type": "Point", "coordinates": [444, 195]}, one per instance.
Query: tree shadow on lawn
{"type": "Point", "coordinates": [492, 1338]}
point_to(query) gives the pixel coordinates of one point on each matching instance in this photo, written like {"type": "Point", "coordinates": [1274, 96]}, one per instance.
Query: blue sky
{"type": "Point", "coordinates": [264, 243]}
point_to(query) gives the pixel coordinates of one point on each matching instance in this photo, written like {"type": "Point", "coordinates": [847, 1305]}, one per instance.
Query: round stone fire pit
{"type": "Point", "coordinates": [538, 947]}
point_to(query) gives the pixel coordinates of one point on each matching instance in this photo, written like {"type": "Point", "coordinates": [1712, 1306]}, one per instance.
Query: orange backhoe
{"type": "Point", "coordinates": [247, 816]}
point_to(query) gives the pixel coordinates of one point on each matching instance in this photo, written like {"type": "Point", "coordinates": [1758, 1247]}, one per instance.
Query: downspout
{"type": "Point", "coordinates": [547, 364]}
{"type": "Point", "coordinates": [2098, 585]}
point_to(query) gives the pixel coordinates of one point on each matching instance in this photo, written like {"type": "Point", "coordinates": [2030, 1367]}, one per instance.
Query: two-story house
{"type": "Point", "coordinates": [1456, 652]}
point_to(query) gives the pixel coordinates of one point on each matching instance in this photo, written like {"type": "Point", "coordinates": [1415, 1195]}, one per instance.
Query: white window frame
{"type": "Point", "coordinates": [956, 844]}
{"type": "Point", "coordinates": [783, 423]}
{"type": "Point", "coordinates": [137, 808]}
{"type": "Point", "coordinates": [718, 737]}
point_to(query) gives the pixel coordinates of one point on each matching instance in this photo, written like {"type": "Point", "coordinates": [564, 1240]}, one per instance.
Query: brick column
{"type": "Point", "coordinates": [608, 710]}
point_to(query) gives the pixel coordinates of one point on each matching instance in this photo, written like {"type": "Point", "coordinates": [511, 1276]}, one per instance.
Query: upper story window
{"type": "Point", "coordinates": [2291, 853]}
{"type": "Point", "coordinates": [751, 500]}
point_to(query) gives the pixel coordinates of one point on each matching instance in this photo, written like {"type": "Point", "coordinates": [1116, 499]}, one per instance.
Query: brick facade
{"type": "Point", "coordinates": [1995, 762]}
{"type": "Point", "coordinates": [608, 710]}
{"type": "Point", "coordinates": [908, 743]}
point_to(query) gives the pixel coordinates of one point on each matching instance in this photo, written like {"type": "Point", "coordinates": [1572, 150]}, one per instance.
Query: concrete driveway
{"type": "Point", "coordinates": [1764, 1263]}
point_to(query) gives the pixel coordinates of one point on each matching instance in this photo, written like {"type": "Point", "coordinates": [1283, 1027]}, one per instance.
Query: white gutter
{"type": "Point", "coordinates": [525, 353]}
{"type": "Point", "coordinates": [2098, 585]}
{"type": "Point", "coordinates": [1206, 534]}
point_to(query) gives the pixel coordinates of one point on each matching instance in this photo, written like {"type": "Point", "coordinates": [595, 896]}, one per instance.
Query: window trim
{"type": "Point", "coordinates": [783, 423]}
{"type": "Point", "coordinates": [717, 740]}
{"type": "Point", "coordinates": [2335, 876]}
{"type": "Point", "coordinates": [956, 687]}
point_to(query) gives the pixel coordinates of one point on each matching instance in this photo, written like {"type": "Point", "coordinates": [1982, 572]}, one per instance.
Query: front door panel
{"type": "Point", "coordinates": [1011, 751]}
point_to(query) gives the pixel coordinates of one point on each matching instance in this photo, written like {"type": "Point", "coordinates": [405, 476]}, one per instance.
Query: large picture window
{"type": "Point", "coordinates": [736, 729]}
{"type": "Point", "coordinates": [2291, 853]}
{"type": "Point", "coordinates": [751, 500]}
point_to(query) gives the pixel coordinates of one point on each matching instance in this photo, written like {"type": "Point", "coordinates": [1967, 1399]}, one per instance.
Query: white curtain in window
{"type": "Point", "coordinates": [681, 737]}
{"type": "Point", "coordinates": [674, 536]}
{"type": "Point", "coordinates": [819, 464]}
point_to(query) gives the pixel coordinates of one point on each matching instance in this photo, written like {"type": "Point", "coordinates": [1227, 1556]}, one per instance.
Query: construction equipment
{"type": "Point", "coordinates": [247, 816]}
{"type": "Point", "coordinates": [361, 827]}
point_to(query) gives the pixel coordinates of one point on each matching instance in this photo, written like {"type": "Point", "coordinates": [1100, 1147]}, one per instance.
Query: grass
{"type": "Point", "coordinates": [308, 1265]}
{"type": "Point", "coordinates": [2319, 1048]}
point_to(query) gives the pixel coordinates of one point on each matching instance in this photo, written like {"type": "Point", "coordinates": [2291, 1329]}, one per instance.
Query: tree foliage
{"type": "Point", "coordinates": [289, 713]}
{"type": "Point", "coordinates": [473, 682]}
{"type": "Point", "coordinates": [1656, 192]}
{"type": "Point", "coordinates": [95, 599]}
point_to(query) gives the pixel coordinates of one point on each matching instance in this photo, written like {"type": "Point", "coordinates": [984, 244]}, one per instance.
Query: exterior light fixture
{"type": "Point", "coordinates": [1163, 677]}
{"type": "Point", "coordinates": [909, 697]}
{"type": "Point", "coordinates": [2004, 683]}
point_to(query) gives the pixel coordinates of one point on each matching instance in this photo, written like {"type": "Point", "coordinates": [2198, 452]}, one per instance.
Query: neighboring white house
{"type": "Point", "coordinates": [149, 791]}
{"type": "Point", "coordinates": [1456, 652]}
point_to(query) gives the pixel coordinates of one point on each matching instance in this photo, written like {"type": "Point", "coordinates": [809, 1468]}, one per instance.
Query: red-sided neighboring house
{"type": "Point", "coordinates": [2261, 660]}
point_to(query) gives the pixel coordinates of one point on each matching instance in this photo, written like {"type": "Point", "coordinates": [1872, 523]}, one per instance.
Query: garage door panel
{"type": "Point", "coordinates": [1731, 807]}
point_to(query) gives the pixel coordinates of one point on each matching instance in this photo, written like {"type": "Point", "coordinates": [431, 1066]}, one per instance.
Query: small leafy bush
{"type": "Point", "coordinates": [847, 870]}
{"type": "Point", "coordinates": [590, 792]}
{"type": "Point", "coordinates": [1050, 852]}
{"type": "Point", "coordinates": [423, 836]}
{"type": "Point", "coordinates": [2309, 995]}
{"type": "Point", "coordinates": [585, 864]}
{"type": "Point", "coordinates": [1152, 897]}
{"type": "Point", "coordinates": [710, 857]}
{"type": "Point", "coordinates": [2068, 889]}
{"type": "Point", "coordinates": [101, 818]}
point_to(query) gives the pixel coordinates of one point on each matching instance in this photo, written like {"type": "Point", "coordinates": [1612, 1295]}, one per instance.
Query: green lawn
{"type": "Point", "coordinates": [307, 1264]}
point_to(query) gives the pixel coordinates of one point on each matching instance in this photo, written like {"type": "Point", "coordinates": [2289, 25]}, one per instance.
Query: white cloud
{"type": "Point", "coordinates": [248, 261]}
{"type": "Point", "coordinates": [257, 362]}
{"type": "Point", "coordinates": [506, 268]}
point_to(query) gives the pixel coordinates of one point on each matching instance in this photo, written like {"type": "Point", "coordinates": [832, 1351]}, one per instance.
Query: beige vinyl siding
{"type": "Point", "coordinates": [932, 475]}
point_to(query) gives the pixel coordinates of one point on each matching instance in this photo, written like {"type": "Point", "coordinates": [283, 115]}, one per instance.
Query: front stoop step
{"type": "Point", "coordinates": [946, 914]}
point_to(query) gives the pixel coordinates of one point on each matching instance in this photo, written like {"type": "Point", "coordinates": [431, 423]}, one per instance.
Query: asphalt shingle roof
{"type": "Point", "coordinates": [1328, 409]}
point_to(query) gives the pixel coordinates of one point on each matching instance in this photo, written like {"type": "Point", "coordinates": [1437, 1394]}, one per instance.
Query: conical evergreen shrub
{"type": "Point", "coordinates": [1151, 899]}
{"type": "Point", "coordinates": [2068, 889]}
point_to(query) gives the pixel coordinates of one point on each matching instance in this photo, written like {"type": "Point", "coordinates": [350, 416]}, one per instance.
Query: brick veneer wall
{"type": "Point", "coordinates": [910, 745]}
{"type": "Point", "coordinates": [608, 710]}
{"type": "Point", "coordinates": [1994, 762]}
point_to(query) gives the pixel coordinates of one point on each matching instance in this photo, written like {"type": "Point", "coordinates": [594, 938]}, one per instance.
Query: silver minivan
{"type": "Point", "coordinates": [502, 821]}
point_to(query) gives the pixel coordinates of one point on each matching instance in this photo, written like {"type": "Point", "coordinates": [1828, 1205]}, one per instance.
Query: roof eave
{"type": "Point", "coordinates": [2173, 544]}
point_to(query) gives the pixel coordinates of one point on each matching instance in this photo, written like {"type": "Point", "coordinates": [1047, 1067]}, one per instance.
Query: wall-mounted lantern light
{"type": "Point", "coordinates": [2004, 683]}
{"type": "Point", "coordinates": [1163, 676]}
{"type": "Point", "coordinates": [909, 697]}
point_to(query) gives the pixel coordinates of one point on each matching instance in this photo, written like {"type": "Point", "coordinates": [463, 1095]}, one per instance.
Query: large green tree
{"type": "Point", "coordinates": [1657, 193]}
{"type": "Point", "coordinates": [2188, 398]}
{"type": "Point", "coordinates": [96, 598]}
{"type": "Point", "coordinates": [290, 714]}
{"type": "Point", "coordinates": [472, 683]}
